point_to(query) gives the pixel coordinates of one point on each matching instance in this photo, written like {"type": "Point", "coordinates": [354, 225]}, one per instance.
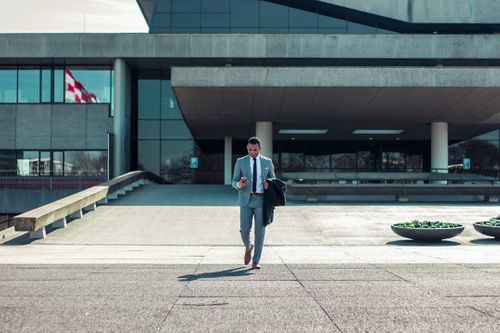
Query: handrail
{"type": "Point", "coordinates": [56, 212]}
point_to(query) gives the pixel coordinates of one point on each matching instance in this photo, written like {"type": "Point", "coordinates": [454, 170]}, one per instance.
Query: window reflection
{"type": "Point", "coordinates": [57, 163]}
{"type": "Point", "coordinates": [175, 155]}
{"type": "Point", "coordinates": [85, 163]}
{"type": "Point", "coordinates": [344, 161]}
{"type": "Point", "coordinates": [28, 86]}
{"type": "Point", "coordinates": [8, 85]}
{"type": "Point", "coordinates": [393, 161]}
{"type": "Point", "coordinates": [27, 163]}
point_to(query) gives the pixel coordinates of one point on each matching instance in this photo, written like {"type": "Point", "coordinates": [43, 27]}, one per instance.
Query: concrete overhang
{"type": "Point", "coordinates": [227, 101]}
{"type": "Point", "coordinates": [428, 11]}
{"type": "Point", "coordinates": [20, 48]}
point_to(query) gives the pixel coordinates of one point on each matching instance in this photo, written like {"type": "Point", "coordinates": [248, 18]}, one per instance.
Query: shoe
{"type": "Point", "coordinates": [248, 255]}
{"type": "Point", "coordinates": [255, 265]}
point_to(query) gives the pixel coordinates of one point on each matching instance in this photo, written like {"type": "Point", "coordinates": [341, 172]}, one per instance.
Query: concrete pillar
{"type": "Point", "coordinates": [39, 234]}
{"type": "Point", "coordinates": [228, 153]}
{"type": "Point", "coordinates": [121, 121]}
{"type": "Point", "coordinates": [264, 130]}
{"type": "Point", "coordinates": [439, 149]}
{"type": "Point", "coordinates": [439, 146]}
{"type": "Point", "coordinates": [60, 223]}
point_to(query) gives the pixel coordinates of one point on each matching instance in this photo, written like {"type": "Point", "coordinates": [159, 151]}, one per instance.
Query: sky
{"type": "Point", "coordinates": [71, 16]}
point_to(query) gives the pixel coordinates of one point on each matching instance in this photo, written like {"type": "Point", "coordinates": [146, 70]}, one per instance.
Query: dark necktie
{"type": "Point", "coordinates": [254, 178]}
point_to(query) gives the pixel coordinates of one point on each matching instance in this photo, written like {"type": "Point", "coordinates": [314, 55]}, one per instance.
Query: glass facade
{"type": "Point", "coordinates": [250, 16]}
{"type": "Point", "coordinates": [165, 144]}
{"type": "Point", "coordinates": [483, 152]}
{"type": "Point", "coordinates": [351, 155]}
{"type": "Point", "coordinates": [56, 85]}
{"type": "Point", "coordinates": [53, 163]}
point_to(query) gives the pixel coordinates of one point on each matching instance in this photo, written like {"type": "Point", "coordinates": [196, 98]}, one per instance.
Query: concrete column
{"type": "Point", "coordinates": [264, 130]}
{"type": "Point", "coordinates": [439, 149]}
{"type": "Point", "coordinates": [121, 109]}
{"type": "Point", "coordinates": [228, 153]}
{"type": "Point", "coordinates": [439, 146]}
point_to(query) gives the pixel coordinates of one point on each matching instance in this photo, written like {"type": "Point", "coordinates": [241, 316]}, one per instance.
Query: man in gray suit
{"type": "Point", "coordinates": [250, 174]}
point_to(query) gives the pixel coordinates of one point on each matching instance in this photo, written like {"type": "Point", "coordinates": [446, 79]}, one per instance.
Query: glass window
{"type": "Point", "coordinates": [169, 106]}
{"type": "Point", "coordinates": [215, 20]}
{"type": "Point", "coordinates": [149, 129]}
{"type": "Point", "coordinates": [27, 163]}
{"type": "Point", "coordinates": [355, 28]}
{"type": "Point", "coordinates": [58, 86]}
{"type": "Point", "coordinates": [331, 22]}
{"type": "Point", "coordinates": [414, 163]}
{"type": "Point", "coordinates": [186, 5]}
{"type": "Point", "coordinates": [175, 155]}
{"type": "Point", "coordinates": [148, 155]}
{"type": "Point", "coordinates": [163, 20]}
{"type": "Point", "coordinates": [215, 5]}
{"type": "Point", "coordinates": [164, 5]}
{"type": "Point", "coordinates": [46, 85]}
{"type": "Point", "coordinates": [183, 20]}
{"type": "Point", "coordinates": [317, 161]}
{"type": "Point", "coordinates": [149, 99]}
{"type": "Point", "coordinates": [301, 30]}
{"type": "Point", "coordinates": [302, 18]}
{"type": "Point", "coordinates": [44, 163]}
{"type": "Point", "coordinates": [215, 30]}
{"type": "Point", "coordinates": [29, 86]}
{"type": "Point", "coordinates": [57, 163]}
{"type": "Point", "coordinates": [292, 160]}
{"type": "Point", "coordinates": [85, 163]}
{"type": "Point", "coordinates": [273, 15]}
{"type": "Point", "coordinates": [8, 85]}
{"type": "Point", "coordinates": [365, 161]}
{"type": "Point", "coordinates": [175, 129]}
{"type": "Point", "coordinates": [344, 161]}
{"type": "Point", "coordinates": [8, 163]}
{"type": "Point", "coordinates": [94, 85]}
{"type": "Point", "coordinates": [393, 160]}
{"type": "Point", "coordinates": [244, 13]}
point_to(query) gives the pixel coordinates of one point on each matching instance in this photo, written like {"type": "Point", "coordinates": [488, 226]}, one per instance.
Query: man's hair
{"type": "Point", "coordinates": [254, 141]}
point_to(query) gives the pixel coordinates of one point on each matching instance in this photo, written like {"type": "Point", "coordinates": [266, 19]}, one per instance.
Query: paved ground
{"type": "Point", "coordinates": [168, 259]}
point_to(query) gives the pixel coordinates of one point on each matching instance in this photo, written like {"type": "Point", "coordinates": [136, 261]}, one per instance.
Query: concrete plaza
{"type": "Point", "coordinates": [169, 259]}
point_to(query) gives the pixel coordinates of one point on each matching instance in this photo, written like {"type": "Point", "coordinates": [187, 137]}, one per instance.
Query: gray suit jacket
{"type": "Point", "coordinates": [242, 169]}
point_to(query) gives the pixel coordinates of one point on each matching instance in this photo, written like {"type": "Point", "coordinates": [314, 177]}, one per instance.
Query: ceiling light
{"type": "Point", "coordinates": [303, 131]}
{"type": "Point", "coordinates": [377, 131]}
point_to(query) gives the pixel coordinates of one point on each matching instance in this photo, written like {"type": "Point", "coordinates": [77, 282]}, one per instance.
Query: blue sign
{"type": "Point", "coordinates": [466, 163]}
{"type": "Point", "coordinates": [193, 162]}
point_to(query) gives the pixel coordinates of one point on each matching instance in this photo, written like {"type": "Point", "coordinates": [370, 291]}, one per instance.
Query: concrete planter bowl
{"type": "Point", "coordinates": [489, 228]}
{"type": "Point", "coordinates": [427, 231]}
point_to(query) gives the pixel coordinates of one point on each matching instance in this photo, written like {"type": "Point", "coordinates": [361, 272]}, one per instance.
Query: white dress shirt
{"type": "Point", "coordinates": [260, 186]}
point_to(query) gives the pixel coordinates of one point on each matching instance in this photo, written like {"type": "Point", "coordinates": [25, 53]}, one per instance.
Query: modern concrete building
{"type": "Point", "coordinates": [330, 85]}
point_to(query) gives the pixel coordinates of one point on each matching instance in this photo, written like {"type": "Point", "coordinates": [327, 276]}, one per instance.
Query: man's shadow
{"type": "Point", "coordinates": [240, 271]}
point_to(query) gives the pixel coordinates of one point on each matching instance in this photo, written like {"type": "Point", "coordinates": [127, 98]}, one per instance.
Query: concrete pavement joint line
{"type": "Point", "coordinates": [176, 300]}
{"type": "Point", "coordinates": [309, 293]}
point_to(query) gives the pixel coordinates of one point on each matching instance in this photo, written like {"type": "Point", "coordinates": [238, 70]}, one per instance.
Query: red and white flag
{"type": "Point", "coordinates": [76, 92]}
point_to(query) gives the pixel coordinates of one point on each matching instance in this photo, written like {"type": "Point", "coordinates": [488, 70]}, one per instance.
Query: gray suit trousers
{"type": "Point", "coordinates": [253, 211]}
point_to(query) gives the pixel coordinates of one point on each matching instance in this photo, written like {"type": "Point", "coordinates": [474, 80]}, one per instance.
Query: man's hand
{"type": "Point", "coordinates": [266, 185]}
{"type": "Point", "coordinates": [243, 182]}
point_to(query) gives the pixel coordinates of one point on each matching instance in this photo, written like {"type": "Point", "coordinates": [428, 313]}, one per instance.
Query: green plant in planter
{"type": "Point", "coordinates": [427, 231]}
{"type": "Point", "coordinates": [415, 224]}
{"type": "Point", "coordinates": [493, 222]}
{"type": "Point", "coordinates": [489, 228]}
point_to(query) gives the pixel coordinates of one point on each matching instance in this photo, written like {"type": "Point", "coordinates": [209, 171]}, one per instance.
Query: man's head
{"type": "Point", "coordinates": [253, 146]}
